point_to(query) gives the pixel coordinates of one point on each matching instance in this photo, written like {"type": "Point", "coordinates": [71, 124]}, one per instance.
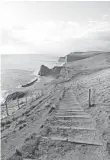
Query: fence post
{"type": "Point", "coordinates": [89, 97]}
{"type": "Point", "coordinates": [6, 108]}
{"type": "Point", "coordinates": [26, 99]}
{"type": "Point", "coordinates": [66, 66]}
{"type": "Point", "coordinates": [32, 97]}
{"type": "Point", "coordinates": [18, 102]}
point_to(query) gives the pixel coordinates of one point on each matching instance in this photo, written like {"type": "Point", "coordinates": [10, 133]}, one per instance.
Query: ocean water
{"type": "Point", "coordinates": [20, 69]}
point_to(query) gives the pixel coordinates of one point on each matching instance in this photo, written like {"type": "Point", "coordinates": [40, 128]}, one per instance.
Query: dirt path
{"type": "Point", "coordinates": [68, 133]}
{"type": "Point", "coordinates": [71, 126]}
{"type": "Point", "coordinates": [26, 121]}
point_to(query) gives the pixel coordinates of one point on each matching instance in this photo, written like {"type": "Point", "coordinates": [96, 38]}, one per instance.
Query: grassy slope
{"type": "Point", "coordinates": [74, 56]}
{"type": "Point", "coordinates": [94, 63]}
{"type": "Point", "coordinates": [92, 72]}
{"type": "Point", "coordinates": [26, 121]}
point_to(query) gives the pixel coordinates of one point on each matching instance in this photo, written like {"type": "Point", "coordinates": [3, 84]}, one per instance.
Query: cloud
{"type": "Point", "coordinates": [95, 37]}
{"type": "Point", "coordinates": [101, 35]}
{"type": "Point", "coordinates": [58, 37]}
{"type": "Point", "coordinates": [43, 36]}
{"type": "Point", "coordinates": [8, 38]}
{"type": "Point", "coordinates": [51, 31]}
{"type": "Point", "coordinates": [12, 44]}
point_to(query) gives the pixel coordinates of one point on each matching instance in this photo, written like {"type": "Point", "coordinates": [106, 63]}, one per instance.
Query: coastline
{"type": "Point", "coordinates": [34, 91]}
{"type": "Point", "coordinates": [11, 85]}
{"type": "Point", "coordinates": [27, 128]}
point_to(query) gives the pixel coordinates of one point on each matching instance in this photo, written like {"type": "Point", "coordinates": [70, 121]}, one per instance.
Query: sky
{"type": "Point", "coordinates": [56, 27]}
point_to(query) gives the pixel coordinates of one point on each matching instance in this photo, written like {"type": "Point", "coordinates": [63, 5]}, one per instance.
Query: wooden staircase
{"type": "Point", "coordinates": [71, 123]}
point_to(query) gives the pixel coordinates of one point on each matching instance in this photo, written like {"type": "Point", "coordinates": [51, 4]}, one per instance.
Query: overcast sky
{"type": "Point", "coordinates": [54, 27]}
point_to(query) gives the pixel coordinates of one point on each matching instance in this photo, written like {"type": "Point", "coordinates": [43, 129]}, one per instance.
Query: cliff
{"type": "Point", "coordinates": [45, 71]}
{"type": "Point", "coordinates": [61, 59]}
{"type": "Point", "coordinates": [75, 56]}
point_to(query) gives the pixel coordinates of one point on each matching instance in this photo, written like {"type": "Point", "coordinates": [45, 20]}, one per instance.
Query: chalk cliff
{"type": "Point", "coordinates": [45, 71]}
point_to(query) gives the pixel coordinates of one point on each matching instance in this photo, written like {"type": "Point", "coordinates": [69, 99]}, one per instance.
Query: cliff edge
{"type": "Point", "coordinates": [45, 71]}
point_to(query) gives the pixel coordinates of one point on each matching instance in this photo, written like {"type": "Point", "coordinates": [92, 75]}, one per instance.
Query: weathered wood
{"type": "Point", "coordinates": [74, 127]}
{"type": "Point", "coordinates": [66, 66]}
{"type": "Point", "coordinates": [73, 116]}
{"type": "Point", "coordinates": [89, 97]}
{"type": "Point", "coordinates": [6, 108]}
{"type": "Point", "coordinates": [26, 99]}
{"type": "Point", "coordinates": [32, 97]}
{"type": "Point", "coordinates": [18, 103]}
{"type": "Point", "coordinates": [69, 139]}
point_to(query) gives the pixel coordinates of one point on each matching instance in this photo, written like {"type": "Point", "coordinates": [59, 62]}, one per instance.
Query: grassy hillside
{"type": "Point", "coordinates": [91, 64]}
{"type": "Point", "coordinates": [75, 56]}
{"type": "Point", "coordinates": [98, 82]}
{"type": "Point", "coordinates": [23, 128]}
{"type": "Point", "coordinates": [94, 73]}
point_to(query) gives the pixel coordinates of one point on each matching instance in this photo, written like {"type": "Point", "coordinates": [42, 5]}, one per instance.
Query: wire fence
{"type": "Point", "coordinates": [15, 105]}
{"type": "Point", "coordinates": [11, 106]}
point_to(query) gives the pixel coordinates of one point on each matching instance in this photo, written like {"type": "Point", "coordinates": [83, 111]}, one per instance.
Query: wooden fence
{"type": "Point", "coordinates": [20, 102]}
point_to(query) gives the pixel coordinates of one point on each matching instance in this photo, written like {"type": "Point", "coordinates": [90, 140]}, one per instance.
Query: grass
{"type": "Point", "coordinates": [51, 110]}
{"type": "Point", "coordinates": [108, 147]}
{"type": "Point", "coordinates": [21, 127]}
{"type": "Point", "coordinates": [47, 106]}
{"type": "Point", "coordinates": [6, 123]}
{"type": "Point", "coordinates": [21, 121]}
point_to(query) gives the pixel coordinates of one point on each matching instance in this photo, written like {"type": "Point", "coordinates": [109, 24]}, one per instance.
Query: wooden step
{"type": "Point", "coordinates": [79, 109]}
{"type": "Point", "coordinates": [71, 103]}
{"type": "Point", "coordinates": [71, 113]}
{"type": "Point", "coordinates": [72, 107]}
{"type": "Point", "coordinates": [69, 93]}
{"type": "Point", "coordinates": [74, 116]}
{"type": "Point", "coordinates": [75, 122]}
{"type": "Point", "coordinates": [97, 143]}
{"type": "Point", "coordinates": [73, 128]}
{"type": "Point", "coordinates": [70, 117]}
{"type": "Point", "coordinates": [69, 97]}
{"type": "Point", "coordinates": [89, 137]}
{"type": "Point", "coordinates": [74, 133]}
{"type": "Point", "coordinates": [70, 100]}
{"type": "Point", "coordinates": [73, 141]}
{"type": "Point", "coordinates": [70, 110]}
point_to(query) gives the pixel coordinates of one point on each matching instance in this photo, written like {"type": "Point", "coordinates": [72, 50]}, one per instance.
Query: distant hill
{"type": "Point", "coordinates": [75, 56]}
{"type": "Point", "coordinates": [92, 61]}
{"type": "Point", "coordinates": [89, 64]}
{"type": "Point", "coordinates": [90, 70]}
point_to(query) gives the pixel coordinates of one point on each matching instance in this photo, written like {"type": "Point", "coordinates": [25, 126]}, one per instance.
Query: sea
{"type": "Point", "coordinates": [18, 69]}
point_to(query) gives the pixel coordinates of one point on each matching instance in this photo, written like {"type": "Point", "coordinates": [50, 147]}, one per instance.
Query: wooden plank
{"type": "Point", "coordinates": [85, 142]}
{"type": "Point", "coordinates": [59, 138]}
{"type": "Point", "coordinates": [65, 110]}
{"type": "Point", "coordinates": [74, 116]}
{"type": "Point", "coordinates": [70, 113]}
{"type": "Point", "coordinates": [74, 128]}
